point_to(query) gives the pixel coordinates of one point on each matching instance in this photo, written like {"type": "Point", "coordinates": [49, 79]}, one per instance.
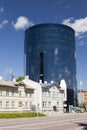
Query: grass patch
{"type": "Point", "coordinates": [20, 115]}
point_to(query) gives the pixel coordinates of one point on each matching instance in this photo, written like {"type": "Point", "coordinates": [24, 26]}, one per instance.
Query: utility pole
{"type": "Point", "coordinates": [81, 83]}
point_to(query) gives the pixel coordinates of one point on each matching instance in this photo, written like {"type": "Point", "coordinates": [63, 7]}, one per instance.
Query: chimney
{"type": "Point", "coordinates": [14, 80]}
{"type": "Point", "coordinates": [52, 81]}
{"type": "Point", "coordinates": [45, 82]}
{"type": "Point", "coordinates": [26, 77]}
{"type": "Point", "coordinates": [0, 77]}
{"type": "Point", "coordinates": [40, 81]}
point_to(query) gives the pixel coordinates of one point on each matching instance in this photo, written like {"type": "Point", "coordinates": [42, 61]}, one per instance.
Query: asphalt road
{"type": "Point", "coordinates": [76, 121]}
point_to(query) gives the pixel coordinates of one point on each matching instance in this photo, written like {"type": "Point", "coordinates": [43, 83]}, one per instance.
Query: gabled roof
{"type": "Point", "coordinates": [29, 84]}
{"type": "Point", "coordinates": [47, 86]}
{"type": "Point", "coordinates": [7, 83]}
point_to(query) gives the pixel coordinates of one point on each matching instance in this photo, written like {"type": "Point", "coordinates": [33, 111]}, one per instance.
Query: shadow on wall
{"type": "Point", "coordinates": [84, 125]}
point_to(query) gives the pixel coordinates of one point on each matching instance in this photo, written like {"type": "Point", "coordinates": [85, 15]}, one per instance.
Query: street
{"type": "Point", "coordinates": [76, 121]}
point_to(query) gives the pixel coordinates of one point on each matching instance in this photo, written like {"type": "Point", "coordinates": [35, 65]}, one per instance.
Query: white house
{"type": "Point", "coordinates": [53, 96]}
{"type": "Point", "coordinates": [21, 96]}
{"type": "Point", "coordinates": [37, 92]}
{"type": "Point", "coordinates": [28, 95]}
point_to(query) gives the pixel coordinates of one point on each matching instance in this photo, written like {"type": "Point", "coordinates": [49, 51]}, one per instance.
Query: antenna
{"type": "Point", "coordinates": [9, 74]}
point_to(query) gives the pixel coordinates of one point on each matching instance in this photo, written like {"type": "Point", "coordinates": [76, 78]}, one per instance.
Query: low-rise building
{"type": "Point", "coordinates": [28, 95]}
{"type": "Point", "coordinates": [53, 97]}
{"type": "Point", "coordinates": [82, 96]}
{"type": "Point", "coordinates": [21, 96]}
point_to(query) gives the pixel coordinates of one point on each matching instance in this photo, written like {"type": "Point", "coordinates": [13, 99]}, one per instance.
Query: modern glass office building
{"type": "Point", "coordinates": [49, 52]}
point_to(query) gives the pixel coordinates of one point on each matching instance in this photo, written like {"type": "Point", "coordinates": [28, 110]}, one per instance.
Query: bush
{"type": "Point", "coordinates": [20, 115]}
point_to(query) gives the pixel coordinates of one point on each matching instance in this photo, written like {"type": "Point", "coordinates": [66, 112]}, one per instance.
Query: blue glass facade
{"type": "Point", "coordinates": [50, 54]}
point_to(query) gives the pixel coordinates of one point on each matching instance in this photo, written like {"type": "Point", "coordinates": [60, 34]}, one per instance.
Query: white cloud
{"type": "Point", "coordinates": [3, 23]}
{"type": "Point", "coordinates": [79, 25]}
{"type": "Point", "coordinates": [82, 36]}
{"type": "Point", "coordinates": [82, 43]}
{"type": "Point", "coordinates": [22, 23]}
{"type": "Point", "coordinates": [1, 9]}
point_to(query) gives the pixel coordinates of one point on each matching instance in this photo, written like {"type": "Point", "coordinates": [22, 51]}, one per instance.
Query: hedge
{"type": "Point", "coordinates": [20, 115]}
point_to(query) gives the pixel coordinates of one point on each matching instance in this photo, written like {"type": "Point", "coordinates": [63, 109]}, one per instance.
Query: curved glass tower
{"type": "Point", "coordinates": [49, 52]}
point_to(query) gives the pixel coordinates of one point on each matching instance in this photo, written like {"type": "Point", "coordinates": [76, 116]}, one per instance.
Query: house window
{"type": "Point", "coordinates": [7, 92]}
{"type": "Point", "coordinates": [26, 104]}
{"type": "Point", "coordinates": [53, 94]}
{"type": "Point", "coordinates": [30, 104]}
{"type": "Point", "coordinates": [43, 104]}
{"type": "Point", "coordinates": [20, 93]}
{"type": "Point", "coordinates": [26, 94]}
{"type": "Point", "coordinates": [64, 95]}
{"type": "Point", "coordinates": [30, 94]}
{"type": "Point", "coordinates": [49, 94]}
{"type": "Point", "coordinates": [20, 103]}
{"type": "Point", "coordinates": [7, 103]}
{"type": "Point", "coordinates": [44, 93]}
{"type": "Point", "coordinates": [49, 103]}
{"type": "Point", "coordinates": [0, 92]}
{"type": "Point", "coordinates": [0, 104]}
{"type": "Point", "coordinates": [12, 93]}
{"type": "Point", "coordinates": [12, 104]}
{"type": "Point", "coordinates": [57, 93]}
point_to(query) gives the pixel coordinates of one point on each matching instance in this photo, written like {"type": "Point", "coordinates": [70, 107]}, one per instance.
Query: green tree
{"type": "Point", "coordinates": [82, 105]}
{"type": "Point", "coordinates": [20, 78]}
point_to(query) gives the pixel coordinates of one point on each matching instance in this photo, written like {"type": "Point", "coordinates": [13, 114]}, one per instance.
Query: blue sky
{"type": "Point", "coordinates": [17, 15]}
